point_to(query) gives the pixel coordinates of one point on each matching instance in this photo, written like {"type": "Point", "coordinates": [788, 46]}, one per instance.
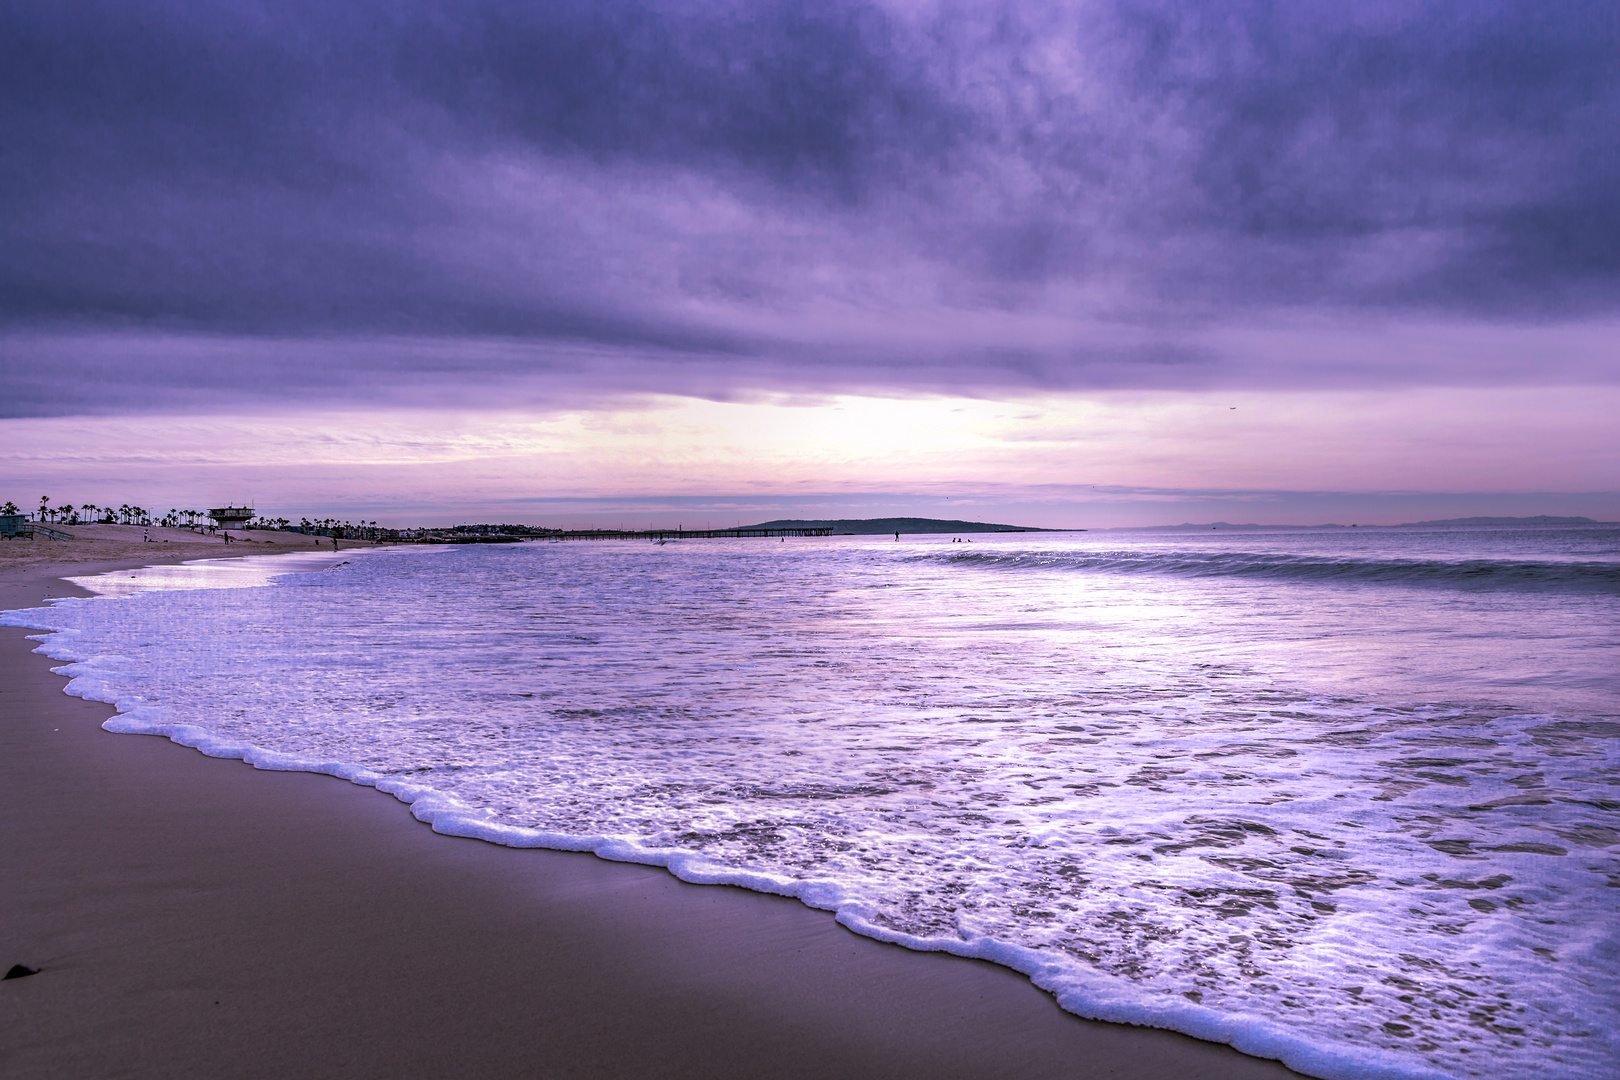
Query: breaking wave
{"type": "Point", "coordinates": [1473, 574]}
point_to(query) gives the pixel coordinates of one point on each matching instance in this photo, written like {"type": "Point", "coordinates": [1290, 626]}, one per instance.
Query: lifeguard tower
{"type": "Point", "coordinates": [232, 517]}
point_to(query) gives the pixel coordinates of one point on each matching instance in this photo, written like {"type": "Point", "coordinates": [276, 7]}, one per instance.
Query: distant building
{"type": "Point", "coordinates": [13, 525]}
{"type": "Point", "coordinates": [232, 517]}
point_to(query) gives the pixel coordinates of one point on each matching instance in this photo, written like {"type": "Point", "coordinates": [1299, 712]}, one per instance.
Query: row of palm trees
{"type": "Point", "coordinates": [127, 514]}
{"type": "Point", "coordinates": [350, 530]}
{"type": "Point", "coordinates": [91, 514]}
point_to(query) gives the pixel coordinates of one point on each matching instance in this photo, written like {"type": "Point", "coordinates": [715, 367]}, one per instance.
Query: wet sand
{"type": "Point", "coordinates": [193, 916]}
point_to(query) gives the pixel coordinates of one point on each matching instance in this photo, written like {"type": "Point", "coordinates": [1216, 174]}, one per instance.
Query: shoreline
{"type": "Point", "coordinates": [266, 924]}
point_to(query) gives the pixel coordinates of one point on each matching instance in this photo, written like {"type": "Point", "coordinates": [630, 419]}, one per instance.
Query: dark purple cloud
{"type": "Point", "coordinates": [730, 196]}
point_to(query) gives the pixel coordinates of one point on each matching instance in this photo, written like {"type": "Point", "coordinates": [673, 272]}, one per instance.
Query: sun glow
{"type": "Point", "coordinates": [1549, 439]}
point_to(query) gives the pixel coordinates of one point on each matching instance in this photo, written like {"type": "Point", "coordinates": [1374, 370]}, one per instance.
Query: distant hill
{"type": "Point", "coordinates": [878, 526]}
{"type": "Point", "coordinates": [1541, 520]}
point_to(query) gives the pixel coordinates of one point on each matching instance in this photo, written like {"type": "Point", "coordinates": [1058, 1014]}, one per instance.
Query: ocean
{"type": "Point", "coordinates": [1350, 798]}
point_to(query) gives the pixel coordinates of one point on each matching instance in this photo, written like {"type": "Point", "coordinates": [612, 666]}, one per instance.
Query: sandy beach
{"type": "Point", "coordinates": [136, 545]}
{"type": "Point", "coordinates": [194, 916]}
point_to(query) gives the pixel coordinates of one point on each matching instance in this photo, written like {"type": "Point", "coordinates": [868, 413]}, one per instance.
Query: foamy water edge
{"type": "Point", "coordinates": [1100, 997]}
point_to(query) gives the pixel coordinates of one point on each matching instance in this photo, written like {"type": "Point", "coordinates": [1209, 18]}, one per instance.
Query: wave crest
{"type": "Point", "coordinates": [1474, 574]}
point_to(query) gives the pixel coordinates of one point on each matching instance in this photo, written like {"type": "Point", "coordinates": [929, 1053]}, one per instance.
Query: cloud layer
{"type": "Point", "coordinates": [1051, 459]}
{"type": "Point", "coordinates": [207, 203]}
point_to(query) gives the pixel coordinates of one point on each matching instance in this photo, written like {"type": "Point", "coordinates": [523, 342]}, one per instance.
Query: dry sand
{"type": "Point", "coordinates": [101, 543]}
{"type": "Point", "coordinates": [196, 917]}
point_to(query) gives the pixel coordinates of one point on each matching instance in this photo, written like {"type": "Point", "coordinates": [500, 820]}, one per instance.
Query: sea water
{"type": "Point", "coordinates": [1348, 798]}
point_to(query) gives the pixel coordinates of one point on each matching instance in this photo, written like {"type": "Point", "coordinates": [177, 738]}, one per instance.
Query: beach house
{"type": "Point", "coordinates": [231, 517]}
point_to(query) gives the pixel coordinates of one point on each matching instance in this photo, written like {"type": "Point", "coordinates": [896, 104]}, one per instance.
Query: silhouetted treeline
{"type": "Point", "coordinates": [90, 514]}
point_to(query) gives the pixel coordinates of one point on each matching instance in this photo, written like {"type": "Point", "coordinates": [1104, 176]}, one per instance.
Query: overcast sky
{"type": "Point", "coordinates": [1093, 262]}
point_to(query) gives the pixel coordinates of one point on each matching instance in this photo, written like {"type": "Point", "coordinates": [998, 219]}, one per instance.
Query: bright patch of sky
{"type": "Point", "coordinates": [1062, 452]}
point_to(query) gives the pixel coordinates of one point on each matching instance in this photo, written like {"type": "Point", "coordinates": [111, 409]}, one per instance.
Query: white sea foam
{"type": "Point", "coordinates": [1219, 806]}
{"type": "Point", "coordinates": [247, 572]}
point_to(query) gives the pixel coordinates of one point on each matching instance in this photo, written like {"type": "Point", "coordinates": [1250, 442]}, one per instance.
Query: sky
{"type": "Point", "coordinates": [640, 263]}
